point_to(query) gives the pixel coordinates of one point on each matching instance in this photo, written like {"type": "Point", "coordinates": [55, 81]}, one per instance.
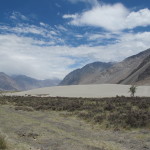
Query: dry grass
{"type": "Point", "coordinates": [119, 112]}
{"type": "Point", "coordinates": [59, 123]}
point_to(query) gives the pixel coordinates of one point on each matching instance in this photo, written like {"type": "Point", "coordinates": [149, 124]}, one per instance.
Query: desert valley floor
{"type": "Point", "coordinates": [90, 91]}
{"type": "Point", "coordinates": [34, 121]}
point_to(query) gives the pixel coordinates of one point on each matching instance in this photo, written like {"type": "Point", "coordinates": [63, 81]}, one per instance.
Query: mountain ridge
{"type": "Point", "coordinates": [77, 75]}
{"type": "Point", "coordinates": [118, 72]}
{"type": "Point", "coordinates": [23, 82]}
{"type": "Point", "coordinates": [141, 73]}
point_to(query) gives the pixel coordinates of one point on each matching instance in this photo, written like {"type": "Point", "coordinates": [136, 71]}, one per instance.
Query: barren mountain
{"type": "Point", "coordinates": [84, 74]}
{"type": "Point", "coordinates": [141, 75]}
{"type": "Point", "coordinates": [6, 83]}
{"type": "Point", "coordinates": [22, 82]}
{"type": "Point", "coordinates": [25, 83]}
{"type": "Point", "coordinates": [134, 69]}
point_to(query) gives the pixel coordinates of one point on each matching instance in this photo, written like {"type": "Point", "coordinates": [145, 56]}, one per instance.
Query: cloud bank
{"type": "Point", "coordinates": [111, 17]}
{"type": "Point", "coordinates": [24, 55]}
{"type": "Point", "coordinates": [42, 51]}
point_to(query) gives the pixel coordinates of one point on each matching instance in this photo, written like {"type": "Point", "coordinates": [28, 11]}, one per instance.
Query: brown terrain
{"type": "Point", "coordinates": [34, 123]}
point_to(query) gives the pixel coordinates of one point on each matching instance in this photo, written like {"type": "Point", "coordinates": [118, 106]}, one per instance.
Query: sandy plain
{"type": "Point", "coordinates": [88, 91]}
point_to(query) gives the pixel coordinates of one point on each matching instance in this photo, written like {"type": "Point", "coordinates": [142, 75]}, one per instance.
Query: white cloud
{"type": "Point", "coordinates": [61, 28]}
{"type": "Point", "coordinates": [18, 16]}
{"type": "Point", "coordinates": [79, 36]}
{"type": "Point", "coordinates": [70, 16]}
{"type": "Point", "coordinates": [139, 18]}
{"type": "Point", "coordinates": [111, 17]}
{"type": "Point", "coordinates": [40, 58]}
{"type": "Point", "coordinates": [43, 24]}
{"type": "Point", "coordinates": [29, 29]}
{"type": "Point", "coordinates": [101, 36]}
{"type": "Point", "coordinates": [43, 31]}
{"type": "Point", "coordinates": [93, 2]}
{"type": "Point", "coordinates": [19, 55]}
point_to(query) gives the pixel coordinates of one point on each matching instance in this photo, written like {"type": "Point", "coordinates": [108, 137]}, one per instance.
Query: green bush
{"type": "Point", "coordinates": [132, 90]}
{"type": "Point", "coordinates": [3, 144]}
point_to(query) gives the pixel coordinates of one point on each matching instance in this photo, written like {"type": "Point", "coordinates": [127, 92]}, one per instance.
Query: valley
{"type": "Point", "coordinates": [69, 124]}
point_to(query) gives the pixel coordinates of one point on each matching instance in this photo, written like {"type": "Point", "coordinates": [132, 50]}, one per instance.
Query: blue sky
{"type": "Point", "coordinates": [50, 38]}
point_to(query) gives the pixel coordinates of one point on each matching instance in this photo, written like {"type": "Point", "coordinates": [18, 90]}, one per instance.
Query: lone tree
{"type": "Point", "coordinates": [132, 90]}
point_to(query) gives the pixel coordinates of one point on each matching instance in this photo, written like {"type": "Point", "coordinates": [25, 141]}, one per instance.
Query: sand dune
{"type": "Point", "coordinates": [99, 90]}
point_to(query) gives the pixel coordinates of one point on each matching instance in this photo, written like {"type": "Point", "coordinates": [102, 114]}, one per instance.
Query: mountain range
{"type": "Point", "coordinates": [22, 82]}
{"type": "Point", "coordinates": [132, 70]}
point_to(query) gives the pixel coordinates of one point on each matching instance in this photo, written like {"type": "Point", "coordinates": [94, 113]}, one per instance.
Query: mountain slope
{"type": "Point", "coordinates": [141, 75]}
{"type": "Point", "coordinates": [120, 73]}
{"type": "Point", "coordinates": [22, 82]}
{"type": "Point", "coordinates": [6, 83]}
{"type": "Point", "coordinates": [27, 83]}
{"type": "Point", "coordinates": [82, 75]}
{"type": "Point", "coordinates": [121, 70]}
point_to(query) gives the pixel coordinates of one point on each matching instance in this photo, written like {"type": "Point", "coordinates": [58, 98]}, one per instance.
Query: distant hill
{"type": "Point", "coordinates": [6, 83]}
{"type": "Point", "coordinates": [22, 82]}
{"type": "Point", "coordinates": [82, 75]}
{"type": "Point", "coordinates": [132, 70]}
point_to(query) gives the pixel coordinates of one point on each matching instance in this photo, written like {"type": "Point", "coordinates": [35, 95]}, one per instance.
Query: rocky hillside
{"type": "Point", "coordinates": [141, 75]}
{"type": "Point", "coordinates": [22, 82]}
{"type": "Point", "coordinates": [132, 70]}
{"type": "Point", "coordinates": [84, 74]}
{"type": "Point", "coordinates": [6, 83]}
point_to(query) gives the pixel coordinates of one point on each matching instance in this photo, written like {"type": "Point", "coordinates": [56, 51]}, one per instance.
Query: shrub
{"type": "Point", "coordinates": [118, 112]}
{"type": "Point", "coordinates": [132, 90]}
{"type": "Point", "coordinates": [3, 144]}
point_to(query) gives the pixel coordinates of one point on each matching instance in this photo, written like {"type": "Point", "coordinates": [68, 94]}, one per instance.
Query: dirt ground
{"type": "Point", "coordinates": [51, 130]}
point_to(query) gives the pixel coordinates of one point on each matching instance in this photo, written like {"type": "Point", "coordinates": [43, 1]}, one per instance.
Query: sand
{"type": "Point", "coordinates": [87, 91]}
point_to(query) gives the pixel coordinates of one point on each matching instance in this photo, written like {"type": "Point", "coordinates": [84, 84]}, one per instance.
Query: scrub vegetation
{"type": "Point", "coordinates": [119, 112]}
{"type": "Point", "coordinates": [56, 123]}
{"type": "Point", "coordinates": [3, 144]}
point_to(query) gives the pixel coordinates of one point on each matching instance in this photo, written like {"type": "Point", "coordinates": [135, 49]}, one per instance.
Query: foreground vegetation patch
{"type": "Point", "coordinates": [119, 112]}
{"type": "Point", "coordinates": [3, 144]}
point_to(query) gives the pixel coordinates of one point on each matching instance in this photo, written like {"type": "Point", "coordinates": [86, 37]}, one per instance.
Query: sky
{"type": "Point", "coordinates": [47, 39]}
